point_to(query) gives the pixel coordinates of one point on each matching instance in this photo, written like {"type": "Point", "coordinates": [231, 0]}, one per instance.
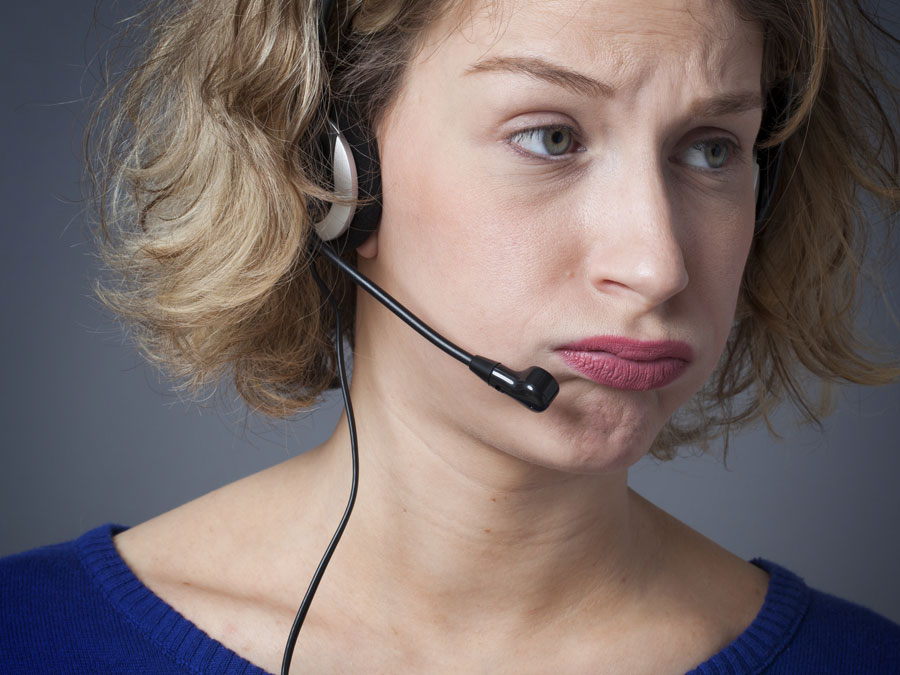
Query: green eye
{"type": "Point", "coordinates": [545, 141]}
{"type": "Point", "coordinates": [557, 141]}
{"type": "Point", "coordinates": [715, 154]}
{"type": "Point", "coordinates": [712, 154]}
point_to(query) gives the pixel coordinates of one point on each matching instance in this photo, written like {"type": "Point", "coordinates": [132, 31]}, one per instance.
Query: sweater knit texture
{"type": "Point", "coordinates": [77, 608]}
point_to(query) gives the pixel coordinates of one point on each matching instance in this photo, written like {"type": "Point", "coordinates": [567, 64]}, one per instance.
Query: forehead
{"type": "Point", "coordinates": [628, 40]}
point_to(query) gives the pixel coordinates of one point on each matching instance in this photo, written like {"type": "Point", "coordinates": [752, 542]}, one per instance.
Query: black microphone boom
{"type": "Point", "coordinates": [533, 387]}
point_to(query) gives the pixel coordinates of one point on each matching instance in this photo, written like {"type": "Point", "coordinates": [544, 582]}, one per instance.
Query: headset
{"type": "Point", "coordinates": [351, 155]}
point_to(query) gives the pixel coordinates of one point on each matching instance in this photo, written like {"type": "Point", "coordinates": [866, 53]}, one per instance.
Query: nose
{"type": "Point", "coordinates": [635, 250]}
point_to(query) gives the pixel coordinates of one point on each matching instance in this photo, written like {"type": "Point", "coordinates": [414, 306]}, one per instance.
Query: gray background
{"type": "Point", "coordinates": [91, 435]}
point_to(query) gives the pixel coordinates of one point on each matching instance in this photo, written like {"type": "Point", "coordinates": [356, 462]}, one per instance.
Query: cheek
{"type": "Point", "coordinates": [430, 254]}
{"type": "Point", "coordinates": [717, 264]}
{"type": "Point", "coordinates": [479, 252]}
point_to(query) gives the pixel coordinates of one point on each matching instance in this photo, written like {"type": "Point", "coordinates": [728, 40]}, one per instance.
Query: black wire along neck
{"type": "Point", "coordinates": [534, 388]}
{"type": "Point", "coordinates": [354, 451]}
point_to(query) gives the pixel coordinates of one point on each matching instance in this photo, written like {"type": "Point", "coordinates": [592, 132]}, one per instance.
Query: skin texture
{"type": "Point", "coordinates": [487, 537]}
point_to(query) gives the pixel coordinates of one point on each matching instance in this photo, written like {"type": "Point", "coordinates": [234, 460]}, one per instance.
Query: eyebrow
{"type": "Point", "coordinates": [732, 103]}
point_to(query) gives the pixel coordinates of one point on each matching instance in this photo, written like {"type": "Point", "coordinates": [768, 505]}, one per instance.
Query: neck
{"type": "Point", "coordinates": [464, 530]}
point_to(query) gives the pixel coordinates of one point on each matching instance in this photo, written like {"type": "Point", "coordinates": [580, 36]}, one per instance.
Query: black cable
{"type": "Point", "coordinates": [354, 451]}
{"type": "Point", "coordinates": [412, 321]}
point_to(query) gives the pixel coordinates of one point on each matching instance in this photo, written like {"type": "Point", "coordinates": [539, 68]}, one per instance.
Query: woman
{"type": "Point", "coordinates": [566, 185]}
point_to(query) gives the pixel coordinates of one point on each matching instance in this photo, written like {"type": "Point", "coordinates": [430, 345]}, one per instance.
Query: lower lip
{"type": "Point", "coordinates": [614, 371]}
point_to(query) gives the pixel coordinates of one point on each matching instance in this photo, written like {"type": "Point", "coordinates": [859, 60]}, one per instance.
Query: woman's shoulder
{"type": "Point", "coordinates": [55, 615]}
{"type": "Point", "coordinates": [803, 630]}
{"type": "Point", "coordinates": [40, 584]}
{"type": "Point", "coordinates": [846, 636]}
{"type": "Point", "coordinates": [103, 602]}
{"type": "Point", "coordinates": [77, 607]}
{"type": "Point", "coordinates": [219, 562]}
{"type": "Point", "coordinates": [44, 575]}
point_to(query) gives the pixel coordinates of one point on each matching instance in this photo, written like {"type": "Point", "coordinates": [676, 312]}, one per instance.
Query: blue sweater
{"type": "Point", "coordinates": [77, 608]}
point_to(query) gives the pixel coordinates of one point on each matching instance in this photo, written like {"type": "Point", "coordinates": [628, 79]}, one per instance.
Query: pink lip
{"type": "Point", "coordinates": [628, 364]}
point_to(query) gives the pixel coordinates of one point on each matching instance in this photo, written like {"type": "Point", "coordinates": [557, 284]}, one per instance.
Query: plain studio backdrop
{"type": "Point", "coordinates": [92, 435]}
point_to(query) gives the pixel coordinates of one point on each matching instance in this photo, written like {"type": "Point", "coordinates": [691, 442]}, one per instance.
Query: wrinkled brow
{"type": "Point", "coordinates": [733, 103]}
{"type": "Point", "coordinates": [544, 70]}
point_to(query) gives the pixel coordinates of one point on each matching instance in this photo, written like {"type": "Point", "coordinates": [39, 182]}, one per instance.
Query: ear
{"type": "Point", "coordinates": [369, 248]}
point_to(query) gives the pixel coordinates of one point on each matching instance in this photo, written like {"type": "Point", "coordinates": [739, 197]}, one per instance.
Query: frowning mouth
{"type": "Point", "coordinates": [624, 363]}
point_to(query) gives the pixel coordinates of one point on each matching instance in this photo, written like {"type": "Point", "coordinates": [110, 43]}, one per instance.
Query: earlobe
{"type": "Point", "coordinates": [369, 248]}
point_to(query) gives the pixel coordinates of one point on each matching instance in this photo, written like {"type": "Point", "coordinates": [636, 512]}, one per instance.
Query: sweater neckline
{"type": "Point", "coordinates": [785, 604]}
{"type": "Point", "coordinates": [180, 639]}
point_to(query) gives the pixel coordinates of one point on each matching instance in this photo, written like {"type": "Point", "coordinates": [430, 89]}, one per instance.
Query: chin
{"type": "Point", "coordinates": [571, 441]}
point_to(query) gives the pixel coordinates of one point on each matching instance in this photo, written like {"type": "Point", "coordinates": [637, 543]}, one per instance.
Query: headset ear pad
{"type": "Point", "coordinates": [351, 157]}
{"type": "Point", "coordinates": [364, 156]}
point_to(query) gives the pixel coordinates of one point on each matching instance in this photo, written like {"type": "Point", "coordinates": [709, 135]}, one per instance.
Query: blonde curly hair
{"type": "Point", "coordinates": [203, 172]}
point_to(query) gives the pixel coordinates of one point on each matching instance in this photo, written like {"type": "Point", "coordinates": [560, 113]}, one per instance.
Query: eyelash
{"type": "Point", "coordinates": [733, 149]}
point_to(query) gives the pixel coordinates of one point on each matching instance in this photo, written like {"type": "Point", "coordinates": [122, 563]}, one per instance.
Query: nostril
{"type": "Point", "coordinates": [611, 284]}
{"type": "Point", "coordinates": [650, 271]}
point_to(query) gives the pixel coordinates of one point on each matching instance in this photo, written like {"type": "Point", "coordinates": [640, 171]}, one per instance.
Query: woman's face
{"type": "Point", "coordinates": [558, 170]}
